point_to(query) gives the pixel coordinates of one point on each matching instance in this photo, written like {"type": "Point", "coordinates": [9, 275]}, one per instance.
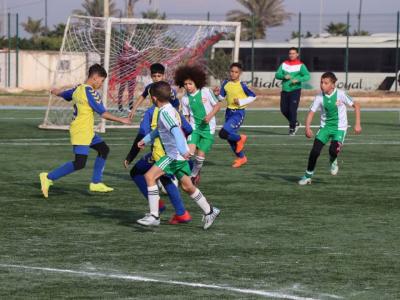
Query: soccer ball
{"type": "Point", "coordinates": [161, 187]}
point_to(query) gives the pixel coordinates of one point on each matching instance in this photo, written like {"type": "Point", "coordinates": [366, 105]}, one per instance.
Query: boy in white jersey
{"type": "Point", "coordinates": [332, 104]}
{"type": "Point", "coordinates": [199, 106]}
{"type": "Point", "coordinates": [174, 162]}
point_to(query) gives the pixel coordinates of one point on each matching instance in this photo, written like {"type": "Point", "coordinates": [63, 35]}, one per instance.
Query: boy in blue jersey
{"type": "Point", "coordinates": [86, 102]}
{"type": "Point", "coordinates": [237, 96]}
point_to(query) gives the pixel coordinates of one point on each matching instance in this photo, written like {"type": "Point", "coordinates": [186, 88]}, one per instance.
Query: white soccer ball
{"type": "Point", "coordinates": [161, 187]}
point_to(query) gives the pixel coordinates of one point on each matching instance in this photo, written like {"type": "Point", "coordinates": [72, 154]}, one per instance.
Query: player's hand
{"type": "Point", "coordinates": [309, 132]}
{"type": "Point", "coordinates": [294, 81]}
{"type": "Point", "coordinates": [236, 101]}
{"type": "Point", "coordinates": [141, 144]}
{"type": "Point", "coordinates": [55, 91]}
{"type": "Point", "coordinates": [126, 121]}
{"type": "Point", "coordinates": [131, 115]}
{"type": "Point", "coordinates": [186, 156]}
{"type": "Point", "coordinates": [357, 129]}
{"type": "Point", "coordinates": [126, 163]}
{"type": "Point", "coordinates": [287, 77]}
{"type": "Point", "coordinates": [217, 90]}
{"type": "Point", "coordinates": [207, 119]}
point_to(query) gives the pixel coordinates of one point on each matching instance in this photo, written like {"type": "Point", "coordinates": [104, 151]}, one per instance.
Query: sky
{"type": "Point", "coordinates": [59, 10]}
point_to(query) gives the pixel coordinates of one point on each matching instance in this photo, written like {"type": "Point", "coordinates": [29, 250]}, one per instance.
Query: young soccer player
{"type": "Point", "coordinates": [293, 73]}
{"type": "Point", "coordinates": [157, 72]}
{"type": "Point", "coordinates": [86, 102]}
{"type": "Point", "coordinates": [199, 106]}
{"type": "Point", "coordinates": [238, 96]}
{"type": "Point", "coordinates": [174, 162]}
{"type": "Point", "coordinates": [332, 104]}
{"type": "Point", "coordinates": [148, 124]}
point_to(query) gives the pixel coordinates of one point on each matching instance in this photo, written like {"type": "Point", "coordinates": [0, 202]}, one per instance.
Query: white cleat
{"type": "Point", "coordinates": [304, 180]}
{"type": "Point", "coordinates": [209, 219]}
{"type": "Point", "coordinates": [334, 168]}
{"type": "Point", "coordinates": [149, 220]}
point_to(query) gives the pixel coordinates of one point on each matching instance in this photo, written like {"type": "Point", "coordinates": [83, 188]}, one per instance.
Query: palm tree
{"type": "Point", "coordinates": [267, 13]}
{"type": "Point", "coordinates": [34, 27]}
{"type": "Point", "coordinates": [153, 14]}
{"type": "Point", "coordinates": [95, 8]}
{"type": "Point", "coordinates": [336, 28]}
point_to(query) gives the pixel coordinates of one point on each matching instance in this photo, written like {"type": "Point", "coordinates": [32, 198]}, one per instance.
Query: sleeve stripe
{"type": "Point", "coordinates": [168, 119]}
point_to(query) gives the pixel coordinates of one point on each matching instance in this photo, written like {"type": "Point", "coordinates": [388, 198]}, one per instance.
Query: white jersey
{"type": "Point", "coordinates": [197, 106]}
{"type": "Point", "coordinates": [169, 118]}
{"type": "Point", "coordinates": [333, 109]}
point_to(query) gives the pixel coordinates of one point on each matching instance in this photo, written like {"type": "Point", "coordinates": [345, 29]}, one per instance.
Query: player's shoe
{"type": "Point", "coordinates": [292, 131]}
{"type": "Point", "coordinates": [334, 167]}
{"type": "Point", "coordinates": [45, 183]}
{"type": "Point", "coordinates": [149, 220]}
{"type": "Point", "coordinates": [100, 188]}
{"type": "Point", "coordinates": [185, 218]}
{"type": "Point", "coordinates": [305, 180]}
{"type": "Point", "coordinates": [196, 179]}
{"type": "Point", "coordinates": [161, 206]}
{"type": "Point", "coordinates": [209, 219]}
{"type": "Point", "coordinates": [240, 143]}
{"type": "Point", "coordinates": [239, 162]}
{"type": "Point", "coordinates": [298, 124]}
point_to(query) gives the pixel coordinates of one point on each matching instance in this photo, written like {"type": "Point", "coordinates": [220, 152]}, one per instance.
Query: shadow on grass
{"type": "Point", "coordinates": [288, 178]}
{"type": "Point", "coordinates": [125, 217]}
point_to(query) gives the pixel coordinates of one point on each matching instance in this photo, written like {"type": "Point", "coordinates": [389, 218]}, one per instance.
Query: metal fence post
{"type": "Point", "coordinates": [346, 63]}
{"type": "Point", "coordinates": [299, 45]}
{"type": "Point", "coordinates": [9, 50]}
{"type": "Point", "coordinates": [16, 51]}
{"type": "Point", "coordinates": [397, 54]}
{"type": "Point", "coordinates": [253, 23]}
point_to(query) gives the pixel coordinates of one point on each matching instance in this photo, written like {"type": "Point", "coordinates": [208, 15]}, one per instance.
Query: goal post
{"type": "Point", "coordinates": [126, 47]}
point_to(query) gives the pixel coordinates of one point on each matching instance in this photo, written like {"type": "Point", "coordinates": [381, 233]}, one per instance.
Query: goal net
{"type": "Point", "coordinates": [126, 48]}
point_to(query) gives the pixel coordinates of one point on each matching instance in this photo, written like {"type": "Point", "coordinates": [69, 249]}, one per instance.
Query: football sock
{"type": "Point", "coordinates": [308, 174]}
{"type": "Point", "coordinates": [153, 197]}
{"type": "Point", "coordinates": [198, 164]}
{"type": "Point", "coordinates": [98, 169]}
{"type": "Point", "coordinates": [174, 196]}
{"type": "Point", "coordinates": [201, 201]}
{"type": "Point", "coordinates": [314, 154]}
{"type": "Point", "coordinates": [61, 171]}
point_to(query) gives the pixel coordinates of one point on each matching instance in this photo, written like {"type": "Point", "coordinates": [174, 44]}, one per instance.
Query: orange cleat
{"type": "Point", "coordinates": [239, 162]}
{"type": "Point", "coordinates": [185, 218]}
{"type": "Point", "coordinates": [240, 143]}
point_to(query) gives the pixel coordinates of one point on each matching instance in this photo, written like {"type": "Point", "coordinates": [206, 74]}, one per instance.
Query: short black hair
{"type": "Point", "coordinates": [329, 75]}
{"type": "Point", "coordinates": [237, 65]}
{"type": "Point", "coordinates": [294, 48]}
{"type": "Point", "coordinates": [97, 69]}
{"type": "Point", "coordinates": [157, 68]}
{"type": "Point", "coordinates": [194, 73]}
{"type": "Point", "coordinates": [161, 90]}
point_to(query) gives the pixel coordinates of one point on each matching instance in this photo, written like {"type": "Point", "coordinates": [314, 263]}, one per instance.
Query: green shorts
{"type": "Point", "coordinates": [170, 166]}
{"type": "Point", "coordinates": [202, 140]}
{"type": "Point", "coordinates": [325, 134]}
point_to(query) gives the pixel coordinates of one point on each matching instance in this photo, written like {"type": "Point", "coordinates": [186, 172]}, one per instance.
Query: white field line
{"type": "Point", "coordinates": [137, 278]}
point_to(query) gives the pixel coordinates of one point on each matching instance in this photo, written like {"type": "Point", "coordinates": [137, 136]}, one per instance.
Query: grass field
{"type": "Point", "coordinates": [338, 238]}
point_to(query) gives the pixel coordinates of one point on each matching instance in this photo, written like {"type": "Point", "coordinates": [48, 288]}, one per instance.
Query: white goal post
{"type": "Point", "coordinates": [126, 47]}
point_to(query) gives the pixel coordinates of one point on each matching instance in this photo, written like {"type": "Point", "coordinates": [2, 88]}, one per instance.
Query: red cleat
{"type": "Point", "coordinates": [161, 206]}
{"type": "Point", "coordinates": [239, 162]}
{"type": "Point", "coordinates": [240, 143]}
{"type": "Point", "coordinates": [185, 218]}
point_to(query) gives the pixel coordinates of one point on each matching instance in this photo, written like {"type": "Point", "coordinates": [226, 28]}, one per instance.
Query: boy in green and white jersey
{"type": "Point", "coordinates": [199, 106]}
{"type": "Point", "coordinates": [332, 104]}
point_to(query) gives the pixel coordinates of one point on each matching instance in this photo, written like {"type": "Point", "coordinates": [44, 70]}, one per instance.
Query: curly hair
{"type": "Point", "coordinates": [194, 73]}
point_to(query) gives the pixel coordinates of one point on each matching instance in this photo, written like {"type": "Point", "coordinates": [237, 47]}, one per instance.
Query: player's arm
{"type": "Point", "coordinates": [99, 108]}
{"type": "Point", "coordinates": [357, 112]}
{"type": "Point", "coordinates": [185, 108]}
{"type": "Point", "coordinates": [251, 96]}
{"type": "Point", "coordinates": [222, 91]}
{"type": "Point", "coordinates": [216, 107]}
{"type": "Point", "coordinates": [65, 94]}
{"type": "Point", "coordinates": [180, 142]}
{"type": "Point", "coordinates": [304, 74]}
{"type": "Point", "coordinates": [135, 106]}
{"type": "Point", "coordinates": [148, 139]}
{"type": "Point", "coordinates": [309, 119]}
{"type": "Point", "coordinates": [134, 150]}
{"type": "Point", "coordinates": [280, 74]}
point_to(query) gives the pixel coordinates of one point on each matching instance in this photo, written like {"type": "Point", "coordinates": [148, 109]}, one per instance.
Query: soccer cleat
{"type": "Point", "coordinates": [149, 220]}
{"type": "Point", "coordinates": [292, 131]}
{"type": "Point", "coordinates": [240, 143]}
{"type": "Point", "coordinates": [45, 183]}
{"type": "Point", "coordinates": [100, 188]}
{"type": "Point", "coordinates": [161, 206]}
{"type": "Point", "coordinates": [239, 162]}
{"type": "Point", "coordinates": [209, 219]}
{"type": "Point", "coordinates": [334, 168]}
{"type": "Point", "coordinates": [185, 218]}
{"type": "Point", "coordinates": [305, 180]}
{"type": "Point", "coordinates": [298, 124]}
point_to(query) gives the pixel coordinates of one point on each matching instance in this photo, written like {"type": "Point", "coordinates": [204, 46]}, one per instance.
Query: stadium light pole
{"type": "Point", "coordinates": [321, 8]}
{"type": "Point", "coordinates": [253, 26]}
{"type": "Point", "coordinates": [45, 14]}
{"type": "Point", "coordinates": [106, 12]}
{"type": "Point", "coordinates": [397, 53]}
{"type": "Point", "coordinates": [359, 17]}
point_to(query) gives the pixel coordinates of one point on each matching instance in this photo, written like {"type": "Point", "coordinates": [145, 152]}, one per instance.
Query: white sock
{"type": "Point", "coordinates": [154, 197]}
{"type": "Point", "coordinates": [198, 164]}
{"type": "Point", "coordinates": [201, 201]}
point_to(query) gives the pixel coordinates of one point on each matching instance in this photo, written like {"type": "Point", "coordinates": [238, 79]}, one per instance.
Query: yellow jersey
{"type": "Point", "coordinates": [231, 90]}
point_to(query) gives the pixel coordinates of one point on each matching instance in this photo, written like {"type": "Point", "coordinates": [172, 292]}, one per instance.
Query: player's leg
{"type": "Point", "coordinates": [293, 105]}
{"type": "Point", "coordinates": [210, 213]}
{"type": "Point", "coordinates": [46, 179]}
{"type": "Point", "coordinates": [103, 150]}
{"type": "Point", "coordinates": [284, 105]}
{"type": "Point", "coordinates": [334, 150]}
{"type": "Point", "coordinates": [131, 93]}
{"type": "Point", "coordinates": [319, 143]}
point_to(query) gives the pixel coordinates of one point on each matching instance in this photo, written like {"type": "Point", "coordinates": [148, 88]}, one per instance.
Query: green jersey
{"type": "Point", "coordinates": [297, 70]}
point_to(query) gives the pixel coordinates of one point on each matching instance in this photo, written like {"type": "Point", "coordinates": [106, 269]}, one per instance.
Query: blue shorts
{"type": "Point", "coordinates": [234, 119]}
{"type": "Point", "coordinates": [84, 150]}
